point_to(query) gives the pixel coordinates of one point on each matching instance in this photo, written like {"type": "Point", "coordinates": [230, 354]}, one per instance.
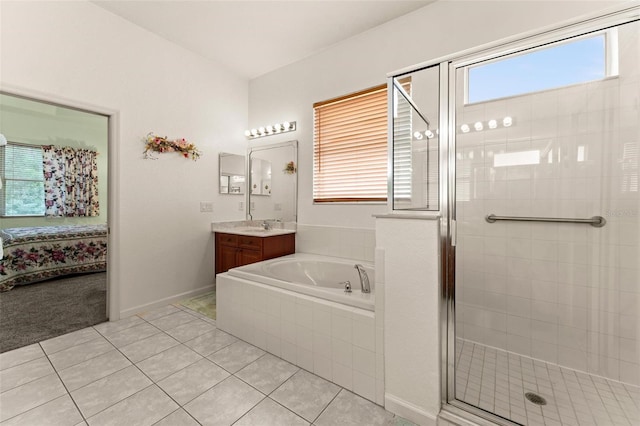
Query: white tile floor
{"type": "Point", "coordinates": [496, 381]}
{"type": "Point", "coordinates": [172, 367]}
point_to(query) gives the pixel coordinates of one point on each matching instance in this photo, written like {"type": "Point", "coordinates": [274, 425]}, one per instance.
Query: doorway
{"type": "Point", "coordinates": [54, 225]}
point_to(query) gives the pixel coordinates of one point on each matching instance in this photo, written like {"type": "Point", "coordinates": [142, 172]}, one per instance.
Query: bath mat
{"type": "Point", "coordinates": [205, 304]}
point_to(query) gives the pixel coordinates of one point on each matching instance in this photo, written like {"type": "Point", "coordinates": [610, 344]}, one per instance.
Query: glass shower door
{"type": "Point", "coordinates": [547, 311]}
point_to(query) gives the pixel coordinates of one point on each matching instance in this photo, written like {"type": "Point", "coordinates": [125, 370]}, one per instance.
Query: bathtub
{"type": "Point", "coordinates": [294, 307]}
{"type": "Point", "coordinates": [313, 275]}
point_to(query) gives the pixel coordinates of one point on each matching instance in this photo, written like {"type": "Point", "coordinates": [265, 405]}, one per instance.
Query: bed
{"type": "Point", "coordinates": [36, 254]}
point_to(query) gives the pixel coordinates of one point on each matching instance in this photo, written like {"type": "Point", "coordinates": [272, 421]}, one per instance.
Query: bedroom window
{"type": "Point", "coordinates": [350, 147]}
{"type": "Point", "coordinates": [22, 180]}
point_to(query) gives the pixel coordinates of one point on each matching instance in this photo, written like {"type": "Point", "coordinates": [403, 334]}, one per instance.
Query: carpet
{"type": "Point", "coordinates": [35, 312]}
{"type": "Point", "coordinates": [205, 304]}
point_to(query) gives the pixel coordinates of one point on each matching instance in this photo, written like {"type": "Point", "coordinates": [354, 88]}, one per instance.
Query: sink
{"type": "Point", "coordinates": [250, 229]}
{"type": "Point", "coordinates": [255, 230]}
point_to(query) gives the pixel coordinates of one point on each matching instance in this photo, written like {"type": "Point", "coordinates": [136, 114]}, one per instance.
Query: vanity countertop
{"type": "Point", "coordinates": [253, 228]}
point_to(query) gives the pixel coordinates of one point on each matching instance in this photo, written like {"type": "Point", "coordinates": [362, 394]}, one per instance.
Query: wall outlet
{"type": "Point", "coordinates": [277, 207]}
{"type": "Point", "coordinates": [206, 207]}
{"type": "Point", "coordinates": [241, 206]}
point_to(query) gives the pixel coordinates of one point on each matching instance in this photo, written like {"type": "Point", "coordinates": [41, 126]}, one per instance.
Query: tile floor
{"type": "Point", "coordinates": [496, 381]}
{"type": "Point", "coordinates": [170, 366]}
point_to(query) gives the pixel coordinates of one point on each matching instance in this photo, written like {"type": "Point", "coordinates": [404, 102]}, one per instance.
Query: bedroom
{"type": "Point", "coordinates": [54, 207]}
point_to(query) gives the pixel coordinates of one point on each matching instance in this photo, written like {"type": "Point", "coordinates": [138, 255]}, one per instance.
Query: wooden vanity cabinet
{"type": "Point", "coordinates": [234, 250]}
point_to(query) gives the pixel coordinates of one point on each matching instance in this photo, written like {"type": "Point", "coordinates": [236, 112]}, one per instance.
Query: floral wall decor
{"type": "Point", "coordinates": [290, 168]}
{"type": "Point", "coordinates": [154, 143]}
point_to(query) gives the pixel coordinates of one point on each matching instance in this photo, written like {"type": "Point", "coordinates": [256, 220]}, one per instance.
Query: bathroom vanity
{"type": "Point", "coordinates": [242, 246]}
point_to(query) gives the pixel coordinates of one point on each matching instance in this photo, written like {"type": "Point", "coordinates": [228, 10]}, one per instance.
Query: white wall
{"type": "Point", "coordinates": [78, 51]}
{"type": "Point", "coordinates": [441, 28]}
{"type": "Point", "coordinates": [407, 265]}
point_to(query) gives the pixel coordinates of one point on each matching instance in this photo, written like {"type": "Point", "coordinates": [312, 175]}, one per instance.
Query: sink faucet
{"type": "Point", "coordinates": [266, 226]}
{"type": "Point", "coordinates": [364, 278]}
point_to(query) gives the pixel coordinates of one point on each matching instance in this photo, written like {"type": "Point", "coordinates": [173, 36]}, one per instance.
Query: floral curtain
{"type": "Point", "coordinates": [70, 181]}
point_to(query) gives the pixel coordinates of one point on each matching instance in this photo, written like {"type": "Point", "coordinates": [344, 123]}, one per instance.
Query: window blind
{"type": "Point", "coordinates": [22, 192]}
{"type": "Point", "coordinates": [350, 147]}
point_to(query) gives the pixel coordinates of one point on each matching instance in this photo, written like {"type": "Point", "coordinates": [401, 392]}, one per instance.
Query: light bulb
{"type": "Point", "coordinates": [493, 124]}
{"type": "Point", "coordinates": [507, 121]}
{"type": "Point", "coordinates": [247, 133]}
{"type": "Point", "coordinates": [269, 129]}
{"type": "Point", "coordinates": [261, 130]}
{"type": "Point", "coordinates": [465, 128]}
{"type": "Point", "coordinates": [285, 125]}
{"type": "Point", "coordinates": [276, 127]}
{"type": "Point", "coordinates": [428, 134]}
{"type": "Point", "coordinates": [254, 132]}
{"type": "Point", "coordinates": [478, 126]}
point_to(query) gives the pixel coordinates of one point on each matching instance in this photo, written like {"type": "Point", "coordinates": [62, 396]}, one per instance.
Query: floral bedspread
{"type": "Point", "coordinates": [38, 253]}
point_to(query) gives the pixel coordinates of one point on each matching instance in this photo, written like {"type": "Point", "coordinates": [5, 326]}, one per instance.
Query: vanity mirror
{"type": "Point", "coordinates": [232, 174]}
{"type": "Point", "coordinates": [273, 182]}
{"type": "Point", "coordinates": [260, 177]}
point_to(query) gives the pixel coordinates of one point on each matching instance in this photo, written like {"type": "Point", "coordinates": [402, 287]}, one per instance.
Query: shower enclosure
{"type": "Point", "coordinates": [541, 228]}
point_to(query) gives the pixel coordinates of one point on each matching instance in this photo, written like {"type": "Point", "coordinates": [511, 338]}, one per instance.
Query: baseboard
{"type": "Point", "coordinates": [166, 301]}
{"type": "Point", "coordinates": [409, 411]}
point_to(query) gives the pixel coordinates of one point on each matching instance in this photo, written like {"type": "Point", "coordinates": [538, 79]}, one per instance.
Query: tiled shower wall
{"type": "Point", "coordinates": [563, 293]}
{"type": "Point", "coordinates": [351, 243]}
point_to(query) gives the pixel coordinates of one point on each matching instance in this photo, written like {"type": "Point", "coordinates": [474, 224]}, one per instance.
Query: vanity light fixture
{"type": "Point", "coordinates": [286, 126]}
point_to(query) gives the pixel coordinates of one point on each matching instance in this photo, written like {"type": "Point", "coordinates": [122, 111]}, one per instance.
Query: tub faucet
{"type": "Point", "coordinates": [364, 278]}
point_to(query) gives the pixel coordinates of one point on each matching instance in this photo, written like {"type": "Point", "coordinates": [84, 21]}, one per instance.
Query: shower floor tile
{"type": "Point", "coordinates": [497, 381]}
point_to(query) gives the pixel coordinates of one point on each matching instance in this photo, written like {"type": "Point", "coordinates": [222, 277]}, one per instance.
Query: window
{"type": "Point", "coordinates": [22, 192]}
{"type": "Point", "coordinates": [350, 147]}
{"type": "Point", "coordinates": [558, 65]}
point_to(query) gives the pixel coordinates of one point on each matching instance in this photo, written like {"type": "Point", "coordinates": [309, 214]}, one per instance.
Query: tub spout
{"type": "Point", "coordinates": [364, 278]}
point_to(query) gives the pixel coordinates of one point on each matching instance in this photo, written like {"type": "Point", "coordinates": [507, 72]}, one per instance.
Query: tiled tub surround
{"type": "Point", "coordinates": [562, 293]}
{"type": "Point", "coordinates": [340, 343]}
{"type": "Point", "coordinates": [350, 243]}
{"type": "Point", "coordinates": [168, 367]}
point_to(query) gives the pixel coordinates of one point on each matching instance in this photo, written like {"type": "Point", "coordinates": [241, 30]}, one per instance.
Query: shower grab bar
{"type": "Point", "coordinates": [596, 221]}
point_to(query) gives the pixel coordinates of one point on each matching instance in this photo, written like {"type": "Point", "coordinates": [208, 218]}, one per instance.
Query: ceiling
{"type": "Point", "coordinates": [255, 37]}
